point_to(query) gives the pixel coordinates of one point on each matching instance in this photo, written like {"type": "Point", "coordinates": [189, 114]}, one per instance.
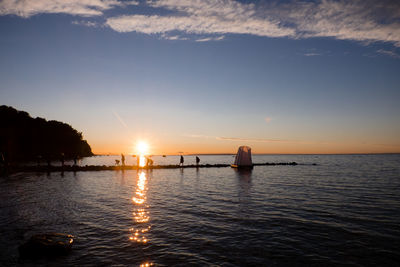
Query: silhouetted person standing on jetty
{"type": "Point", "coordinates": [181, 161]}
{"type": "Point", "coordinates": [197, 160]}
{"type": "Point", "coordinates": [122, 159]}
{"type": "Point", "coordinates": [149, 161]}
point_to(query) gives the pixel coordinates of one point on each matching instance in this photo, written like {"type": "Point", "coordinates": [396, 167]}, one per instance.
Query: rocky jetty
{"type": "Point", "coordinates": [74, 168]}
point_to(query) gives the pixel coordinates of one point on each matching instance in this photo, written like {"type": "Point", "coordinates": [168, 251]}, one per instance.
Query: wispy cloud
{"type": "Point", "coordinates": [199, 136]}
{"type": "Point", "coordinates": [173, 37]}
{"type": "Point", "coordinates": [251, 140]}
{"type": "Point", "coordinates": [365, 21]}
{"type": "Point", "coordinates": [28, 8]}
{"type": "Point", "coordinates": [260, 140]}
{"type": "Point", "coordinates": [312, 54]}
{"type": "Point", "coordinates": [207, 39]}
{"type": "Point", "coordinates": [201, 17]}
{"type": "Point", "coordinates": [85, 23]}
{"type": "Point", "coordinates": [360, 20]}
{"type": "Point", "coordinates": [388, 53]}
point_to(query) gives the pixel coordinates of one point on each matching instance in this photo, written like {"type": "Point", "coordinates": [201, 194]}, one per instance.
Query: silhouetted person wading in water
{"type": "Point", "coordinates": [181, 161]}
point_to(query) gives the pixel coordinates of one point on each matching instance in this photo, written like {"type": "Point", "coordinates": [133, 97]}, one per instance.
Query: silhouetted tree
{"type": "Point", "coordinates": [25, 138]}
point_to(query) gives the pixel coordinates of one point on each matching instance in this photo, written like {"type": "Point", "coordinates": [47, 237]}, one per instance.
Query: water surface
{"type": "Point", "coordinates": [343, 211]}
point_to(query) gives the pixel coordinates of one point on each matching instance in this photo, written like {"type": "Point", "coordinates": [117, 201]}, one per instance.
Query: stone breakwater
{"type": "Point", "coordinates": [69, 168]}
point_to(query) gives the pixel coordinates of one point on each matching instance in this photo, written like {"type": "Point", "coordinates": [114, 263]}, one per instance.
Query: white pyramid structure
{"type": "Point", "coordinates": [243, 157]}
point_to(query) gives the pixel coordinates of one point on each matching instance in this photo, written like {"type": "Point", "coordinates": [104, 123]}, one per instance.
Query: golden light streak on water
{"type": "Point", "coordinates": [146, 264]}
{"type": "Point", "coordinates": [140, 215]}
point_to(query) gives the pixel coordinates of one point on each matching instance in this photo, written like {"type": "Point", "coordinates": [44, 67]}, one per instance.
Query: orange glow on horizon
{"type": "Point", "coordinates": [177, 147]}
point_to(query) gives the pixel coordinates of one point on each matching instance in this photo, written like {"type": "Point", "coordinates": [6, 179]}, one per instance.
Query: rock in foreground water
{"type": "Point", "coordinates": [49, 245]}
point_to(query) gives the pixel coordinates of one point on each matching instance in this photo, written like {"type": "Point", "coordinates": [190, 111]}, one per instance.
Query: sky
{"type": "Point", "coordinates": [207, 76]}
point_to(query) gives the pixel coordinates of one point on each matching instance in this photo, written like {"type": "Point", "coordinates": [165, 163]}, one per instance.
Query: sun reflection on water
{"type": "Point", "coordinates": [146, 264]}
{"type": "Point", "coordinates": [140, 214]}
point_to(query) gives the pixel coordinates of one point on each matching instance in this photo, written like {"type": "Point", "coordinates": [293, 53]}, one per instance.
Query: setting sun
{"type": "Point", "coordinates": [142, 148]}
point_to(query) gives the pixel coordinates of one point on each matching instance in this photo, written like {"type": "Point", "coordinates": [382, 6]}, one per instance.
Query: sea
{"type": "Point", "coordinates": [329, 210]}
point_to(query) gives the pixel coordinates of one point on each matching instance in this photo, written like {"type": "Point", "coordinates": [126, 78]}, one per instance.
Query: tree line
{"type": "Point", "coordinates": [23, 138]}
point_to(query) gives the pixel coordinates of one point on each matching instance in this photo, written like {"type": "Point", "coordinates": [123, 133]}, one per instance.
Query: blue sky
{"type": "Point", "coordinates": [208, 76]}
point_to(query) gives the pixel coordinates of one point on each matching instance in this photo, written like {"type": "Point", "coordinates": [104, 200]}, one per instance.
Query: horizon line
{"type": "Point", "coordinates": [226, 154]}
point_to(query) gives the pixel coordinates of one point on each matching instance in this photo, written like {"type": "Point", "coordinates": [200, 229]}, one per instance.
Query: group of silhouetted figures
{"type": "Point", "coordinates": [149, 161]}
{"type": "Point", "coordinates": [182, 160]}
{"type": "Point", "coordinates": [39, 160]}
{"type": "Point", "coordinates": [62, 160]}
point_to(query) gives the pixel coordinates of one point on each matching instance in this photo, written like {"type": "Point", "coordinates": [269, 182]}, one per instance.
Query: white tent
{"type": "Point", "coordinates": [243, 157]}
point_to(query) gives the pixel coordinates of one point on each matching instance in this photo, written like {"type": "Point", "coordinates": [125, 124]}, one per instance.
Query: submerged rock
{"type": "Point", "coordinates": [49, 244]}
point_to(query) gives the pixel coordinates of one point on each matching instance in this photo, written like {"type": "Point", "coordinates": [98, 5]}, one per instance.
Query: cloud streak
{"type": "Point", "coordinates": [312, 54]}
{"type": "Point", "coordinates": [201, 17]}
{"type": "Point", "coordinates": [259, 140]}
{"type": "Point", "coordinates": [85, 8]}
{"type": "Point", "coordinates": [252, 140]}
{"type": "Point", "coordinates": [388, 53]}
{"type": "Point", "coordinates": [360, 20]}
{"type": "Point", "coordinates": [207, 39]}
{"type": "Point", "coordinates": [85, 23]}
{"type": "Point", "coordinates": [262, 140]}
{"type": "Point", "coordinates": [120, 119]}
{"type": "Point", "coordinates": [364, 21]}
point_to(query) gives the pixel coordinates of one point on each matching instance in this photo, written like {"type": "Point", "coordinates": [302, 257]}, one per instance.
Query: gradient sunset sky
{"type": "Point", "coordinates": [207, 76]}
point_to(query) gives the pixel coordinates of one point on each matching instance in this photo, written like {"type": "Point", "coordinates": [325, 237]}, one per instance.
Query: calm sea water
{"type": "Point", "coordinates": [343, 211]}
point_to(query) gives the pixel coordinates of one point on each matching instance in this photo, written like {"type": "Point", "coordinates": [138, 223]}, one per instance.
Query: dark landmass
{"type": "Point", "coordinates": [23, 138]}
